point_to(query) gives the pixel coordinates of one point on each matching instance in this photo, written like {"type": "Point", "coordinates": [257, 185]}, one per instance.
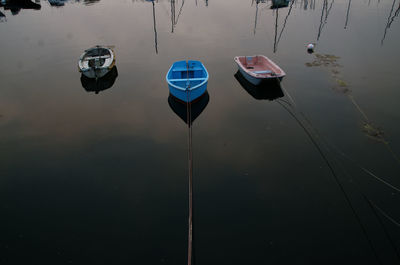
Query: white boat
{"type": "Point", "coordinates": [96, 62]}
{"type": "Point", "coordinates": [258, 68]}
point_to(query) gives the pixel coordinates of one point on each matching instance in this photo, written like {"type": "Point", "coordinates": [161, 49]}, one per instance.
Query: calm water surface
{"type": "Point", "coordinates": [101, 178]}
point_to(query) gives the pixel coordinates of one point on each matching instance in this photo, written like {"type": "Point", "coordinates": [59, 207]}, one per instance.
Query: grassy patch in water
{"type": "Point", "coordinates": [324, 60]}
{"type": "Point", "coordinates": [373, 132]}
{"type": "Point", "coordinates": [341, 83]}
{"type": "Point", "coordinates": [330, 61]}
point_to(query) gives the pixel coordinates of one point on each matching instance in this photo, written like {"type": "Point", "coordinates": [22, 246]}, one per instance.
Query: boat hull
{"type": "Point", "coordinates": [254, 80]}
{"type": "Point", "coordinates": [251, 79]}
{"type": "Point", "coordinates": [96, 62]}
{"type": "Point", "coordinates": [188, 95]}
{"type": "Point", "coordinates": [258, 68]}
{"type": "Point", "coordinates": [187, 80]}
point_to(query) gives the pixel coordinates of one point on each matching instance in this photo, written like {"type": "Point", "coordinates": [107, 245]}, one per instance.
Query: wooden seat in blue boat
{"type": "Point", "coordinates": [186, 79]}
{"type": "Point", "coordinates": [181, 69]}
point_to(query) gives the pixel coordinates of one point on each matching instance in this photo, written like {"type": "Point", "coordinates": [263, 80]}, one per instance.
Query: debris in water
{"type": "Point", "coordinates": [374, 132]}
{"type": "Point", "coordinates": [330, 61]}
{"type": "Point", "coordinates": [342, 90]}
{"type": "Point", "coordinates": [341, 83]}
{"type": "Point", "coordinates": [335, 72]}
{"type": "Point", "coordinates": [341, 86]}
{"type": "Point", "coordinates": [324, 60]}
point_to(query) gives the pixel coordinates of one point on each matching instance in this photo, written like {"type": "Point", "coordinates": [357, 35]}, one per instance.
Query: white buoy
{"type": "Point", "coordinates": [310, 48]}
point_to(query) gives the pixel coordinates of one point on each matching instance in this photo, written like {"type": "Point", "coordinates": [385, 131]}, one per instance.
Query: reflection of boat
{"type": "Point", "coordinates": [90, 2]}
{"type": "Point", "coordinates": [16, 5]}
{"type": "Point", "coordinates": [276, 38]}
{"type": "Point", "coordinates": [174, 18]}
{"type": "Point", "coordinates": [325, 13]}
{"type": "Point", "coordinates": [279, 3]}
{"type": "Point", "coordinates": [187, 80]}
{"type": "Point", "coordinates": [100, 84]}
{"type": "Point", "coordinates": [390, 19]}
{"type": "Point", "coordinates": [2, 17]}
{"type": "Point", "coordinates": [270, 90]}
{"type": "Point", "coordinates": [57, 2]}
{"type": "Point", "coordinates": [96, 62]}
{"type": "Point", "coordinates": [258, 68]}
{"type": "Point", "coordinates": [347, 15]}
{"type": "Point", "coordinates": [197, 107]}
{"type": "Point", "coordinates": [255, 19]}
{"type": "Point", "coordinates": [154, 25]}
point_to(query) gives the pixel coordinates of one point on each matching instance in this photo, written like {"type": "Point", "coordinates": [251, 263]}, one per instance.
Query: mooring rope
{"type": "Point", "coordinates": [374, 207]}
{"type": "Point", "coordinates": [327, 147]}
{"type": "Point", "coordinates": [330, 166]}
{"type": "Point", "coordinates": [190, 166]}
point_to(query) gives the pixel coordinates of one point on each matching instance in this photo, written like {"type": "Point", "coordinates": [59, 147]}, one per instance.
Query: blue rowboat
{"type": "Point", "coordinates": [187, 80]}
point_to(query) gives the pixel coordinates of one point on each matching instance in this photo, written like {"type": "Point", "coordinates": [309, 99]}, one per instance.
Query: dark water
{"type": "Point", "coordinates": [101, 178]}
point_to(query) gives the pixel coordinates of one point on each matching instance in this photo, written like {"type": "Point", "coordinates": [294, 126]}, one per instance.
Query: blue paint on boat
{"type": "Point", "coordinates": [187, 80]}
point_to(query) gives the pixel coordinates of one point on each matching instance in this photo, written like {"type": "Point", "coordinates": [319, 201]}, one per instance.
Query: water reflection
{"type": "Point", "coordinates": [154, 26]}
{"type": "Point", "coordinates": [174, 17]}
{"type": "Point", "coordinates": [269, 89]}
{"type": "Point", "coordinates": [256, 16]}
{"type": "Point", "coordinates": [347, 15]}
{"type": "Point", "coordinates": [2, 17]}
{"type": "Point", "coordinates": [100, 84]}
{"type": "Point", "coordinates": [326, 9]}
{"type": "Point", "coordinates": [89, 2]}
{"type": "Point", "coordinates": [15, 6]}
{"type": "Point", "coordinates": [276, 13]}
{"type": "Point", "coordinates": [280, 3]}
{"type": "Point", "coordinates": [197, 107]}
{"type": "Point", "coordinates": [312, 4]}
{"type": "Point", "coordinates": [57, 3]}
{"type": "Point", "coordinates": [255, 19]}
{"type": "Point", "coordinates": [103, 144]}
{"type": "Point", "coordinates": [391, 19]}
{"type": "Point", "coordinates": [60, 3]}
{"type": "Point", "coordinates": [188, 112]}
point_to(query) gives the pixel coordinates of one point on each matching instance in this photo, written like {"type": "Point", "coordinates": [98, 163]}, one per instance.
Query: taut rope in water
{"type": "Point", "coordinates": [340, 152]}
{"type": "Point", "coordinates": [330, 166]}
{"type": "Point", "coordinates": [190, 167]}
{"type": "Point", "coordinates": [371, 204]}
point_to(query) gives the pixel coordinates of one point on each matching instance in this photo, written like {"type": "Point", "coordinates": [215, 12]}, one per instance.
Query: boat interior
{"type": "Point", "coordinates": [188, 73]}
{"type": "Point", "coordinates": [96, 57]}
{"type": "Point", "coordinates": [258, 65]}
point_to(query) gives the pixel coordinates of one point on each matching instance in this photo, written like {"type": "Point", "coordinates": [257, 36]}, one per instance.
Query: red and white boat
{"type": "Point", "coordinates": [258, 68]}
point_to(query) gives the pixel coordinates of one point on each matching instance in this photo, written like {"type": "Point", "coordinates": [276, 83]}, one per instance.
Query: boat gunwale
{"type": "Point", "coordinates": [191, 88]}
{"type": "Point", "coordinates": [86, 69]}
